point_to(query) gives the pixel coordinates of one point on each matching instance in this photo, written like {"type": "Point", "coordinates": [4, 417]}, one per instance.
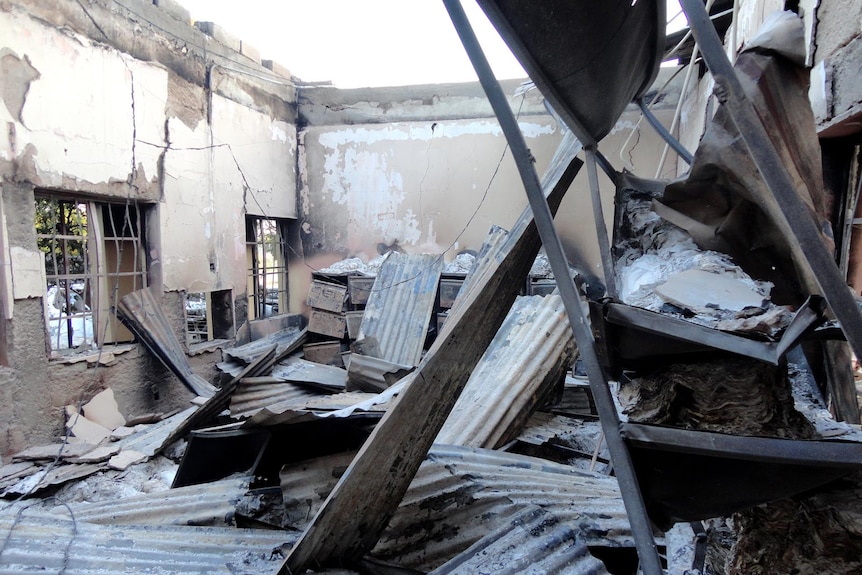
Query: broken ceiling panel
{"type": "Point", "coordinates": [41, 542]}
{"type": "Point", "coordinates": [398, 312]}
{"type": "Point", "coordinates": [528, 356]}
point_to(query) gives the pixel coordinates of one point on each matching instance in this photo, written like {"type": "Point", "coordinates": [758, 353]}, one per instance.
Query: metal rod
{"type": "Point", "coordinates": [632, 497]}
{"type": "Point", "coordinates": [787, 203]}
{"type": "Point", "coordinates": [601, 228]}
{"type": "Point", "coordinates": [663, 132]}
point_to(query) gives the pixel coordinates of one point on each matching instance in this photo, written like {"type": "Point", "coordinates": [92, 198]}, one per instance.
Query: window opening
{"type": "Point", "coordinates": [93, 256]}
{"type": "Point", "coordinates": [209, 316]}
{"type": "Point", "coordinates": [267, 267]}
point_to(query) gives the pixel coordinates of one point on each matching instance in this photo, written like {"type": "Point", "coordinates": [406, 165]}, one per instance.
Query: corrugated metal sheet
{"type": "Point", "coordinates": [44, 543]}
{"type": "Point", "coordinates": [206, 504]}
{"type": "Point", "coordinates": [373, 374]}
{"type": "Point", "coordinates": [460, 494]}
{"type": "Point", "coordinates": [255, 394]}
{"type": "Point", "coordinates": [340, 405]}
{"type": "Point", "coordinates": [284, 340]}
{"type": "Point", "coordinates": [399, 307]}
{"type": "Point", "coordinates": [533, 543]}
{"type": "Point", "coordinates": [493, 242]}
{"type": "Point", "coordinates": [530, 352]}
{"type": "Point", "coordinates": [141, 312]}
{"type": "Point", "coordinates": [296, 370]}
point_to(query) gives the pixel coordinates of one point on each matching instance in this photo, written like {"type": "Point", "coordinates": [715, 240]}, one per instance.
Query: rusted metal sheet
{"type": "Point", "coordinates": [529, 354]}
{"type": "Point", "coordinates": [324, 377]}
{"type": "Point", "coordinates": [285, 341]}
{"type": "Point", "coordinates": [395, 323]}
{"type": "Point", "coordinates": [41, 542]}
{"type": "Point", "coordinates": [220, 400]}
{"type": "Point", "coordinates": [460, 494]}
{"type": "Point", "coordinates": [374, 374]}
{"type": "Point", "coordinates": [254, 394]}
{"type": "Point", "coordinates": [141, 312]}
{"type": "Point", "coordinates": [349, 404]}
{"type": "Point", "coordinates": [534, 541]}
{"type": "Point", "coordinates": [208, 504]}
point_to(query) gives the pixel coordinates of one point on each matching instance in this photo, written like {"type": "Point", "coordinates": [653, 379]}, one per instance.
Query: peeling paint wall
{"type": "Point", "coordinates": [119, 100]}
{"type": "Point", "coordinates": [375, 176]}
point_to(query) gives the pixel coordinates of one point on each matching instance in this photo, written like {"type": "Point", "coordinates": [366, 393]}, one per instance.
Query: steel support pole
{"type": "Point", "coordinates": [601, 228]}
{"type": "Point", "coordinates": [665, 135]}
{"type": "Point", "coordinates": [632, 497]}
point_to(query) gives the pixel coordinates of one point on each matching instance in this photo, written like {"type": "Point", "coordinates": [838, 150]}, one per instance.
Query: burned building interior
{"type": "Point", "coordinates": [604, 319]}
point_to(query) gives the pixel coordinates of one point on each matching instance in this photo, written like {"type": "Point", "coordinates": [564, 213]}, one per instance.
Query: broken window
{"type": "Point", "coordinates": [267, 266]}
{"type": "Point", "coordinates": [209, 316]}
{"type": "Point", "coordinates": [94, 255]}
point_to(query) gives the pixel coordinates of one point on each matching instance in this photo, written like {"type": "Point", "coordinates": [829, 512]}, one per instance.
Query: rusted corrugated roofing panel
{"type": "Point", "coordinates": [533, 542]}
{"type": "Point", "coordinates": [399, 307]}
{"type": "Point", "coordinates": [296, 370]}
{"type": "Point", "coordinates": [530, 352]}
{"type": "Point", "coordinates": [255, 394]}
{"type": "Point", "coordinates": [285, 339]}
{"type": "Point", "coordinates": [141, 312]}
{"type": "Point", "coordinates": [206, 504]}
{"type": "Point", "coordinates": [45, 543]}
{"type": "Point", "coordinates": [460, 494]}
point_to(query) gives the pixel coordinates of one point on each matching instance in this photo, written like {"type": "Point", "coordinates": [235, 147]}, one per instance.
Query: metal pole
{"type": "Point", "coordinates": [665, 135]}
{"type": "Point", "coordinates": [601, 228]}
{"type": "Point", "coordinates": [632, 497]}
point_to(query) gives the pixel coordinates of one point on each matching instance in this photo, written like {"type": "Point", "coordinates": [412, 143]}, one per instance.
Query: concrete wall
{"type": "Point", "coordinates": [837, 83]}
{"type": "Point", "coordinates": [425, 169]}
{"type": "Point", "coordinates": [127, 101]}
{"type": "Point", "coordinates": [123, 100]}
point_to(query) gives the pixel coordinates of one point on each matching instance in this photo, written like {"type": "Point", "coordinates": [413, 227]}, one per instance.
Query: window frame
{"type": "Point", "coordinates": [109, 232]}
{"type": "Point", "coordinates": [266, 269]}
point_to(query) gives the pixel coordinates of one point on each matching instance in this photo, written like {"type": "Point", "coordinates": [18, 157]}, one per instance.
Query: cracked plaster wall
{"type": "Point", "coordinates": [82, 116]}
{"type": "Point", "coordinates": [430, 186]}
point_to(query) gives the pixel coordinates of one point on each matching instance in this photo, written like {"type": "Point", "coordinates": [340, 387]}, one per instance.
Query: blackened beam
{"type": "Point", "coordinates": [366, 497]}
{"type": "Point", "coordinates": [620, 456]}
{"type": "Point", "coordinates": [665, 135]}
{"type": "Point", "coordinates": [785, 203]}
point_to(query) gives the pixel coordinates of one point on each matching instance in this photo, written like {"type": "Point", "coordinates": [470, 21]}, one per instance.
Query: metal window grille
{"type": "Point", "coordinates": [267, 271]}
{"type": "Point", "coordinates": [93, 256]}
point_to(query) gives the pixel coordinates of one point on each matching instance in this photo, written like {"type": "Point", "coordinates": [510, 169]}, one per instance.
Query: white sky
{"type": "Point", "coordinates": [358, 43]}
